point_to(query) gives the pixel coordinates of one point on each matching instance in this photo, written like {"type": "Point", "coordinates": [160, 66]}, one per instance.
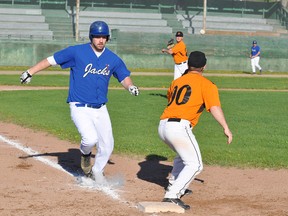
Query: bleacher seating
{"type": "Point", "coordinates": [23, 23]}
{"type": "Point", "coordinates": [124, 21]}
{"type": "Point", "coordinates": [48, 24]}
{"type": "Point", "coordinates": [214, 23]}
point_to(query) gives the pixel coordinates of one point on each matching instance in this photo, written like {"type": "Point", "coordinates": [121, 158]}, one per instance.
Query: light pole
{"type": "Point", "coordinates": [204, 14]}
{"type": "Point", "coordinates": [77, 20]}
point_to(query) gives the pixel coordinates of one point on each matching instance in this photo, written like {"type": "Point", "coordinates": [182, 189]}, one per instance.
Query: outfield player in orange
{"type": "Point", "coordinates": [188, 96]}
{"type": "Point", "coordinates": [179, 53]}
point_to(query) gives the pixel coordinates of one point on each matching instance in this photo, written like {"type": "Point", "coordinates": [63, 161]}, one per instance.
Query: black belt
{"type": "Point", "coordinates": [89, 105]}
{"type": "Point", "coordinates": [176, 120]}
{"type": "Point", "coordinates": [181, 63]}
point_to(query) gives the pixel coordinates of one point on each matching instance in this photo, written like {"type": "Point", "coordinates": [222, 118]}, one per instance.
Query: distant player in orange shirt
{"type": "Point", "coordinates": [188, 96]}
{"type": "Point", "coordinates": [179, 53]}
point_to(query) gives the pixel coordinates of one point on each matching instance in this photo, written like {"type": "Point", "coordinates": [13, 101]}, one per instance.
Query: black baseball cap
{"type": "Point", "coordinates": [254, 42]}
{"type": "Point", "coordinates": [179, 34]}
{"type": "Point", "coordinates": [197, 59]}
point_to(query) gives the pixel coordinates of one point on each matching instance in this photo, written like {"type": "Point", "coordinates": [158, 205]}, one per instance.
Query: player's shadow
{"type": "Point", "coordinates": [69, 161]}
{"type": "Point", "coordinates": [153, 171]}
{"type": "Point", "coordinates": [158, 94]}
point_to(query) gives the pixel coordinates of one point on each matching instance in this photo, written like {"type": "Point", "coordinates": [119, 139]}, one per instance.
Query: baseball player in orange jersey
{"type": "Point", "coordinates": [188, 96]}
{"type": "Point", "coordinates": [179, 53]}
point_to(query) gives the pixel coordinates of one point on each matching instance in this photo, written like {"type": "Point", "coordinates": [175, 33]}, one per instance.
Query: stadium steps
{"type": "Point", "coordinates": [60, 23]}
{"type": "Point", "coordinates": [228, 23]}
{"type": "Point", "coordinates": [224, 23]}
{"type": "Point", "coordinates": [24, 23]}
{"type": "Point", "coordinates": [28, 6]}
{"type": "Point", "coordinates": [140, 21]}
{"type": "Point", "coordinates": [243, 33]}
{"type": "Point", "coordinates": [174, 23]}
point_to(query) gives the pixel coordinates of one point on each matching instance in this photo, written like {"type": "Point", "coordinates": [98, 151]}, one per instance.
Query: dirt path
{"type": "Point", "coordinates": [30, 187]}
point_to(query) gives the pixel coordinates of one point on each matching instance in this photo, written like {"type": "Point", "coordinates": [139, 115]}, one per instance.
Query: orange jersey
{"type": "Point", "coordinates": [179, 52]}
{"type": "Point", "coordinates": [188, 96]}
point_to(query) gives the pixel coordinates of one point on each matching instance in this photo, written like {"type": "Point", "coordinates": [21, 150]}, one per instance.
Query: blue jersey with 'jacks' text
{"type": "Point", "coordinates": [89, 74]}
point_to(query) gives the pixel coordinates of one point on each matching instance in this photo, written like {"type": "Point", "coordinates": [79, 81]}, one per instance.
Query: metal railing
{"type": "Point", "coordinates": [282, 15]}
{"type": "Point", "coordinates": [235, 6]}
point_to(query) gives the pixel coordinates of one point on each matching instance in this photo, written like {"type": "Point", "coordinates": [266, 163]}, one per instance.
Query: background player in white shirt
{"type": "Point", "coordinates": [255, 57]}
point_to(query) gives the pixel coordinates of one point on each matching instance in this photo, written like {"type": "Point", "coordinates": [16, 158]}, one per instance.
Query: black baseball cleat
{"type": "Point", "coordinates": [187, 192]}
{"type": "Point", "coordinates": [177, 202]}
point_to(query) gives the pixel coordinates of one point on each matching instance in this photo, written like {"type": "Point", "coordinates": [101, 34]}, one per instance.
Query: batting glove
{"type": "Point", "coordinates": [134, 90]}
{"type": "Point", "coordinates": [25, 77]}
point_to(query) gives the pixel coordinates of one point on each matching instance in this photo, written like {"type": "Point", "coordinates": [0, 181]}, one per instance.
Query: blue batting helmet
{"type": "Point", "coordinates": [99, 28]}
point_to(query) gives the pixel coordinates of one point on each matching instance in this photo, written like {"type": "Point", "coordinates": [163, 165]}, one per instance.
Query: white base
{"type": "Point", "coordinates": [152, 207]}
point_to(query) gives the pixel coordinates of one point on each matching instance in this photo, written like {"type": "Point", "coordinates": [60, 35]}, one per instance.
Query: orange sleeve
{"type": "Point", "coordinates": [211, 96]}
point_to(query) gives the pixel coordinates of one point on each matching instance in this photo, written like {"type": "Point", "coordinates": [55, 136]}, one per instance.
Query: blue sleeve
{"type": "Point", "coordinates": [65, 58]}
{"type": "Point", "coordinates": [121, 71]}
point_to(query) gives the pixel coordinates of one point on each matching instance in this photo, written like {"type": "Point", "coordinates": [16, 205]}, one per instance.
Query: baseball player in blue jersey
{"type": "Point", "coordinates": [255, 57]}
{"type": "Point", "coordinates": [91, 67]}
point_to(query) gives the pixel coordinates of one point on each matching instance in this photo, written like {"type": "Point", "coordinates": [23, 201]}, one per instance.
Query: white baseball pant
{"type": "Point", "coordinates": [94, 126]}
{"type": "Point", "coordinates": [188, 162]}
{"type": "Point", "coordinates": [255, 63]}
{"type": "Point", "coordinates": [179, 69]}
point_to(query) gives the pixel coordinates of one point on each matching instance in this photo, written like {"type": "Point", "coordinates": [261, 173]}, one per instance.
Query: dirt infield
{"type": "Point", "coordinates": [32, 187]}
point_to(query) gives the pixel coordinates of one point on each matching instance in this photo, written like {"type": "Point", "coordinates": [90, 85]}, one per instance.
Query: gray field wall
{"type": "Point", "coordinates": [144, 51]}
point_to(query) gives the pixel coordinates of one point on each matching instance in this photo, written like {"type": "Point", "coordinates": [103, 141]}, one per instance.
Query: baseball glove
{"type": "Point", "coordinates": [170, 43]}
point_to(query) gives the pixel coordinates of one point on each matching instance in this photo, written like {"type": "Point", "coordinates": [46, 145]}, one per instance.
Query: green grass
{"type": "Point", "coordinates": [257, 119]}
{"type": "Point", "coordinates": [253, 82]}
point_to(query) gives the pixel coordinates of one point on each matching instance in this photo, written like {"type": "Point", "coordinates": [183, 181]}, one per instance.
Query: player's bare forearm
{"type": "Point", "coordinates": [218, 114]}
{"type": "Point", "coordinates": [39, 66]}
{"type": "Point", "coordinates": [168, 51]}
{"type": "Point", "coordinates": [127, 82]}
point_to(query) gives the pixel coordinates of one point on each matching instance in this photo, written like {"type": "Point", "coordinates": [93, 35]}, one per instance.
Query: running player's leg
{"type": "Point", "coordinates": [85, 126]}
{"type": "Point", "coordinates": [105, 142]}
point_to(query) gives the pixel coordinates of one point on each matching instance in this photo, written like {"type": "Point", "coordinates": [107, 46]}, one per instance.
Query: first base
{"type": "Point", "coordinates": [153, 207]}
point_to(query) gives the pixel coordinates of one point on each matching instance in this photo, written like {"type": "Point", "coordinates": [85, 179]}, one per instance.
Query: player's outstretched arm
{"type": "Point", "coordinates": [218, 114]}
{"type": "Point", "coordinates": [27, 75]}
{"type": "Point", "coordinates": [39, 66]}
